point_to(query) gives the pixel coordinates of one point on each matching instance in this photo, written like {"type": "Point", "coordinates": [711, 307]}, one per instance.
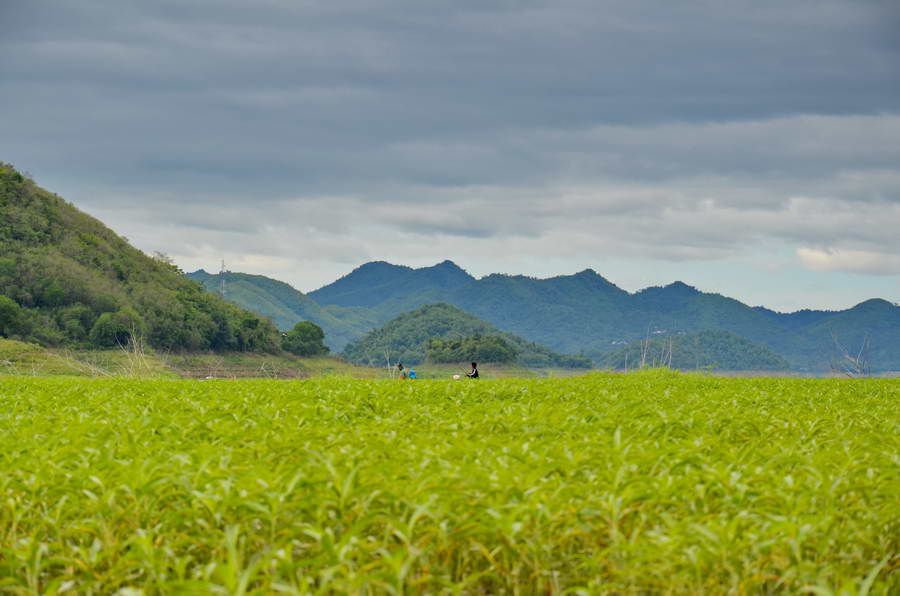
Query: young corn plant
{"type": "Point", "coordinates": [647, 483]}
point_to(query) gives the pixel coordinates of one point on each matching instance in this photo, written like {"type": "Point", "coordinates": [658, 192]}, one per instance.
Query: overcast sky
{"type": "Point", "coordinates": [749, 148]}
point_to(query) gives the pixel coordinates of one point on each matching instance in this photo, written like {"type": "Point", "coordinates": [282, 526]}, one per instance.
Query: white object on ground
{"type": "Point", "coordinates": [455, 377]}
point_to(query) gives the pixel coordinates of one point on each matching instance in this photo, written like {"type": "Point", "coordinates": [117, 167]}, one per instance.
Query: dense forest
{"type": "Point", "coordinates": [408, 337]}
{"type": "Point", "coordinates": [66, 279]}
{"type": "Point", "coordinates": [707, 349]}
{"type": "Point", "coordinates": [475, 348]}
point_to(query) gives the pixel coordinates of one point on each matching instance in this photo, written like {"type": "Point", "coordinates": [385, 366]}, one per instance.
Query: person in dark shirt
{"type": "Point", "coordinates": [474, 373]}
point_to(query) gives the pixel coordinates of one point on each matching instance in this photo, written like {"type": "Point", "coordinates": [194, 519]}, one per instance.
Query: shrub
{"type": "Point", "coordinates": [305, 339]}
{"type": "Point", "coordinates": [10, 316]}
{"type": "Point", "coordinates": [118, 328]}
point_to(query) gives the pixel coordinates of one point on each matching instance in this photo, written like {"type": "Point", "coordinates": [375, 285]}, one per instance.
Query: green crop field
{"type": "Point", "coordinates": [648, 483]}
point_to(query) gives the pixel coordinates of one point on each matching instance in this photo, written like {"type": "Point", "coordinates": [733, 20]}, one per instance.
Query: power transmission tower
{"type": "Point", "coordinates": [222, 279]}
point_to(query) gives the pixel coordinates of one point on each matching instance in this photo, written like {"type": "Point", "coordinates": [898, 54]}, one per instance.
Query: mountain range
{"type": "Point", "coordinates": [581, 313]}
{"type": "Point", "coordinates": [66, 279]}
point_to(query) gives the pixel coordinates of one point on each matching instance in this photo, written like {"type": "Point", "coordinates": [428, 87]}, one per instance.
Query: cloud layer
{"type": "Point", "coordinates": [301, 138]}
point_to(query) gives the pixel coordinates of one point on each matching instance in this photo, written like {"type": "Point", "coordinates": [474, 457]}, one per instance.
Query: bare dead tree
{"type": "Point", "coordinates": [668, 346]}
{"type": "Point", "coordinates": [645, 348]}
{"type": "Point", "coordinates": [848, 364]}
{"type": "Point", "coordinates": [665, 354]}
{"type": "Point", "coordinates": [162, 258]}
{"type": "Point", "coordinates": [387, 359]}
{"type": "Point", "coordinates": [134, 350]}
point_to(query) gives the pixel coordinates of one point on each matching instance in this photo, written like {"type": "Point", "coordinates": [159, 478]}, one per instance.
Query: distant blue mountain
{"type": "Point", "coordinates": [378, 282]}
{"type": "Point", "coordinates": [586, 314]}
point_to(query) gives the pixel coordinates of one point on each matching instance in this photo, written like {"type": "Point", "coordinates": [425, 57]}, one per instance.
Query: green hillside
{"type": "Point", "coordinates": [707, 349]}
{"type": "Point", "coordinates": [874, 321]}
{"type": "Point", "coordinates": [573, 313]}
{"type": "Point", "coordinates": [586, 313]}
{"type": "Point", "coordinates": [351, 307]}
{"type": "Point", "coordinates": [286, 305]}
{"type": "Point", "coordinates": [406, 339]}
{"type": "Point", "coordinates": [66, 279]}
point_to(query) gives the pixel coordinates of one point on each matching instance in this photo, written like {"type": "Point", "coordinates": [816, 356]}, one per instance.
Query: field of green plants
{"type": "Point", "coordinates": [647, 483]}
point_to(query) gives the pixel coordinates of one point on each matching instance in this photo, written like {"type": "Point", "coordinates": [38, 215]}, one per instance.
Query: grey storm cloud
{"type": "Point", "coordinates": [302, 136]}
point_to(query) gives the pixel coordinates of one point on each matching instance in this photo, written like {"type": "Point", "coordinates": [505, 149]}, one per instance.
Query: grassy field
{"type": "Point", "coordinates": [647, 483]}
{"type": "Point", "coordinates": [18, 358]}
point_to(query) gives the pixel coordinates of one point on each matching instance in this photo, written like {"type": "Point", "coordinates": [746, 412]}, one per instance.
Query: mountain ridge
{"type": "Point", "coordinates": [585, 313]}
{"type": "Point", "coordinates": [379, 281]}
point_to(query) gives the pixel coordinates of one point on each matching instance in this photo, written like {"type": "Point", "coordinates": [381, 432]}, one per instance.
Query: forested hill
{"type": "Point", "coordinates": [585, 312]}
{"type": "Point", "coordinates": [581, 313]}
{"type": "Point", "coordinates": [286, 305]}
{"type": "Point", "coordinates": [708, 349]}
{"type": "Point", "coordinates": [447, 334]}
{"type": "Point", "coordinates": [66, 279]}
{"type": "Point", "coordinates": [368, 297]}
